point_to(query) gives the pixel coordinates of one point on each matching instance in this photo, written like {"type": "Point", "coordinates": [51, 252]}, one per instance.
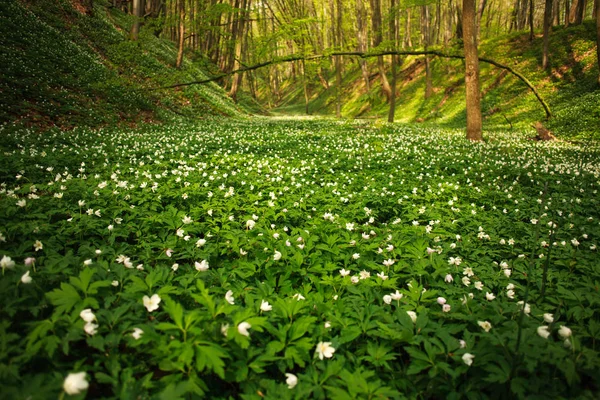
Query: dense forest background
{"type": "Point", "coordinates": [156, 57]}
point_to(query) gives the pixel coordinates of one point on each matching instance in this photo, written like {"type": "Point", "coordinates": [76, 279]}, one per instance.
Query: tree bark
{"type": "Point", "coordinates": [425, 30]}
{"type": "Point", "coordinates": [579, 12]}
{"type": "Point", "coordinates": [393, 34]}
{"type": "Point", "coordinates": [338, 61]}
{"type": "Point", "coordinates": [377, 39]}
{"type": "Point", "coordinates": [473, 93]}
{"type": "Point", "coordinates": [137, 15]}
{"type": "Point", "coordinates": [408, 31]}
{"type": "Point", "coordinates": [361, 36]}
{"type": "Point", "coordinates": [531, 7]}
{"type": "Point", "coordinates": [556, 12]}
{"type": "Point", "coordinates": [547, 29]}
{"type": "Point", "coordinates": [480, 10]}
{"type": "Point", "coordinates": [181, 34]}
{"type": "Point", "coordinates": [236, 82]}
{"type": "Point", "coordinates": [567, 13]}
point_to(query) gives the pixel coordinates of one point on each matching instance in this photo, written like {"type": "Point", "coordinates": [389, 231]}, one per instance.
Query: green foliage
{"type": "Point", "coordinates": [365, 260]}
{"type": "Point", "coordinates": [61, 68]}
{"type": "Point", "coordinates": [570, 86]}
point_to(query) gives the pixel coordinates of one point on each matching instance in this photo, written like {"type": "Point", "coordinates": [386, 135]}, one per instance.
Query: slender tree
{"type": "Point", "coordinates": [338, 60]}
{"type": "Point", "coordinates": [531, 8]}
{"type": "Point", "coordinates": [393, 30]}
{"type": "Point", "coordinates": [426, 39]}
{"type": "Point", "coordinates": [361, 40]}
{"type": "Point", "coordinates": [377, 39]}
{"type": "Point", "coordinates": [547, 29]}
{"type": "Point", "coordinates": [137, 16]}
{"type": "Point", "coordinates": [473, 93]}
{"type": "Point", "coordinates": [181, 34]}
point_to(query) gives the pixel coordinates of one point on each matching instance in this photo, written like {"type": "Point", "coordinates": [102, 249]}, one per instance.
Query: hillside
{"type": "Point", "coordinates": [59, 67]}
{"type": "Point", "coordinates": [569, 87]}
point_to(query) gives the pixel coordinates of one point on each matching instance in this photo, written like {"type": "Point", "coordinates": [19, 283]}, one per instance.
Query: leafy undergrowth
{"type": "Point", "coordinates": [297, 259]}
{"type": "Point", "coordinates": [61, 68]}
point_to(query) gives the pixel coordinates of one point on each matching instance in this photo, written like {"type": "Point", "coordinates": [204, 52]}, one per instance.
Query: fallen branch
{"type": "Point", "coordinates": [294, 57]}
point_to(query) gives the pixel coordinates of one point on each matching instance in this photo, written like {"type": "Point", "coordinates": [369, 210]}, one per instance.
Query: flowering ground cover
{"type": "Point", "coordinates": [296, 259]}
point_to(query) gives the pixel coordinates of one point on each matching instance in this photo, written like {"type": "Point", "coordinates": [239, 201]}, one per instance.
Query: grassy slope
{"type": "Point", "coordinates": [569, 88]}
{"type": "Point", "coordinates": [59, 67]}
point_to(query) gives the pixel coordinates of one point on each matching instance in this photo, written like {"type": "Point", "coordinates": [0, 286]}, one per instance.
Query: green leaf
{"type": "Point", "coordinates": [84, 280]}
{"type": "Point", "coordinates": [211, 356]}
{"type": "Point", "coordinates": [64, 299]}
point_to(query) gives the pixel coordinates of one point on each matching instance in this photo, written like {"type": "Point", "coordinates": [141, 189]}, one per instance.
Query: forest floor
{"type": "Point", "coordinates": [298, 258]}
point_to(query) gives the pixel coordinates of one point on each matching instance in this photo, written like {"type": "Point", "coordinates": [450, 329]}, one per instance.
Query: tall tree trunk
{"type": "Point", "coordinates": [305, 87]}
{"type": "Point", "coordinates": [567, 13]}
{"type": "Point", "coordinates": [377, 39]}
{"type": "Point", "coordinates": [425, 30]}
{"type": "Point", "coordinates": [480, 10]}
{"type": "Point", "coordinates": [338, 60]}
{"type": "Point", "coordinates": [408, 30]}
{"type": "Point", "coordinates": [556, 13]}
{"type": "Point", "coordinates": [137, 15]}
{"type": "Point", "coordinates": [448, 25]}
{"type": "Point", "coordinates": [181, 33]}
{"type": "Point", "coordinates": [236, 80]}
{"type": "Point", "coordinates": [531, 7]}
{"type": "Point", "coordinates": [580, 11]}
{"type": "Point", "coordinates": [547, 29]}
{"type": "Point", "coordinates": [393, 36]}
{"type": "Point", "coordinates": [473, 93]}
{"type": "Point", "coordinates": [361, 36]}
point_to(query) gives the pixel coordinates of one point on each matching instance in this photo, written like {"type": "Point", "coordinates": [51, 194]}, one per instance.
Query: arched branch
{"type": "Point", "coordinates": [314, 57]}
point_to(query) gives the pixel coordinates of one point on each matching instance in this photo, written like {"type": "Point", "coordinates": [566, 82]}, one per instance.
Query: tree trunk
{"type": "Point", "coordinates": [567, 13]}
{"type": "Point", "coordinates": [448, 25]}
{"type": "Point", "coordinates": [305, 87]}
{"type": "Point", "coordinates": [531, 7]}
{"type": "Point", "coordinates": [361, 36]}
{"type": "Point", "coordinates": [408, 31]}
{"type": "Point", "coordinates": [338, 61]}
{"type": "Point", "coordinates": [579, 12]}
{"type": "Point", "coordinates": [556, 13]}
{"type": "Point", "coordinates": [377, 39]}
{"type": "Point", "coordinates": [393, 33]}
{"type": "Point", "coordinates": [473, 93]}
{"type": "Point", "coordinates": [236, 82]}
{"type": "Point", "coordinates": [425, 38]}
{"type": "Point", "coordinates": [547, 29]}
{"type": "Point", "coordinates": [481, 9]}
{"type": "Point", "coordinates": [137, 15]}
{"type": "Point", "coordinates": [181, 33]}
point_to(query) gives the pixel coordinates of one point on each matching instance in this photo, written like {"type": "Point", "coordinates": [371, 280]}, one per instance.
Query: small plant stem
{"type": "Point", "coordinates": [546, 265]}
{"type": "Point", "coordinates": [515, 364]}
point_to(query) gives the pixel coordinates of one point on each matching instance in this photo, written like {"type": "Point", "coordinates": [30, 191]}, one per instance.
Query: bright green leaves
{"type": "Point", "coordinates": [65, 298]}
{"type": "Point", "coordinates": [77, 292]}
